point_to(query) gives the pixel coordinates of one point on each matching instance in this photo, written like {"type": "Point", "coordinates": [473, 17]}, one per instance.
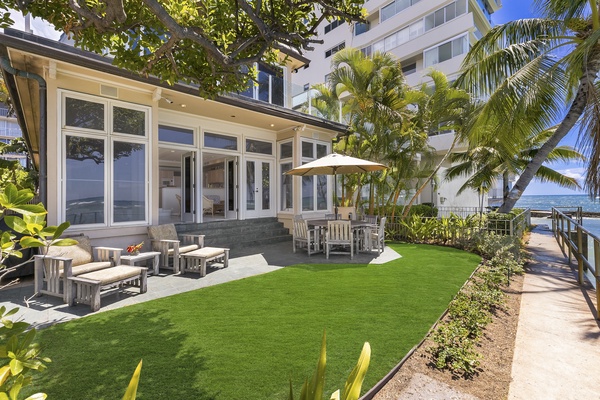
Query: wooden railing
{"type": "Point", "coordinates": [577, 242]}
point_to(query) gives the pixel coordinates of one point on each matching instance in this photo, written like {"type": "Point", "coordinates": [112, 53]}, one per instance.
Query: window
{"type": "Point", "coordinates": [395, 7]}
{"type": "Point", "coordinates": [446, 51]}
{"type": "Point", "coordinates": [445, 14]}
{"type": "Point", "coordinates": [314, 188]}
{"type": "Point", "coordinates": [84, 114]}
{"type": "Point", "coordinates": [172, 134]}
{"type": "Point", "coordinates": [258, 146]}
{"type": "Point", "coordinates": [409, 69]}
{"type": "Point", "coordinates": [361, 27]}
{"type": "Point", "coordinates": [333, 25]}
{"type": "Point", "coordinates": [366, 52]}
{"type": "Point", "coordinates": [220, 141]}
{"type": "Point", "coordinates": [105, 175]}
{"type": "Point", "coordinates": [286, 194]}
{"type": "Point", "coordinates": [335, 49]}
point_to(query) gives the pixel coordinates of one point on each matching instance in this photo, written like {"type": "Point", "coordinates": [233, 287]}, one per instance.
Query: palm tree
{"type": "Point", "coordinates": [375, 102]}
{"type": "Point", "coordinates": [535, 72]}
{"type": "Point", "coordinates": [484, 163]}
{"type": "Point", "coordinates": [441, 107]}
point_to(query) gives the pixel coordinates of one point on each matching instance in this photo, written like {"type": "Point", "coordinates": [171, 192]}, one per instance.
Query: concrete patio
{"type": "Point", "coordinates": [47, 310]}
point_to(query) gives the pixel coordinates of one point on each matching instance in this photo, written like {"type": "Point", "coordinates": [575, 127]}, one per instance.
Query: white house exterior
{"type": "Point", "coordinates": [118, 152]}
{"type": "Point", "coordinates": [423, 34]}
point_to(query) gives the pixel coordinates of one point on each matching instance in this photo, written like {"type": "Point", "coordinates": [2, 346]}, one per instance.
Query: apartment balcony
{"type": "Point", "coordinates": [10, 133]}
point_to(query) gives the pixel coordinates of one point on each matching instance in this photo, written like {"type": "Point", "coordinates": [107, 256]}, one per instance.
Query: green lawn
{"type": "Point", "coordinates": [245, 339]}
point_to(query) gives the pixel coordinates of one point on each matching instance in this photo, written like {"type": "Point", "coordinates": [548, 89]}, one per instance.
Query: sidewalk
{"type": "Point", "coordinates": [557, 348]}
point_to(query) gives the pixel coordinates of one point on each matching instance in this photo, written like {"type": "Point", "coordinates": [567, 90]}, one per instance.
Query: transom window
{"type": "Point", "coordinates": [218, 141]}
{"type": "Point", "coordinates": [172, 134]}
{"type": "Point", "coordinates": [105, 174]}
{"type": "Point", "coordinates": [259, 146]}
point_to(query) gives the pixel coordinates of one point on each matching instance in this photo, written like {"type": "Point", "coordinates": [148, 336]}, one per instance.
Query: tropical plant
{"type": "Point", "coordinates": [19, 357]}
{"type": "Point", "coordinates": [483, 163]}
{"type": "Point", "coordinates": [212, 43]}
{"type": "Point", "coordinates": [313, 389]}
{"type": "Point", "coordinates": [29, 222]}
{"type": "Point", "coordinates": [535, 72]}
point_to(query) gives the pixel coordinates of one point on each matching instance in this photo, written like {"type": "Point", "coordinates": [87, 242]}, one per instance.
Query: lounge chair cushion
{"type": "Point", "coordinates": [114, 274]}
{"type": "Point", "coordinates": [162, 232]}
{"type": "Point", "coordinates": [185, 249]}
{"type": "Point", "coordinates": [90, 267]}
{"type": "Point", "coordinates": [81, 253]}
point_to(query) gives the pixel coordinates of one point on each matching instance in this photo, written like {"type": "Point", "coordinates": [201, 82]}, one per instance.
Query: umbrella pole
{"type": "Point", "coordinates": [335, 197]}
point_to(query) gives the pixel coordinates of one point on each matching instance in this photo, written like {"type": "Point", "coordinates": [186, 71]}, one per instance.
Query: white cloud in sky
{"type": "Point", "coordinates": [38, 26]}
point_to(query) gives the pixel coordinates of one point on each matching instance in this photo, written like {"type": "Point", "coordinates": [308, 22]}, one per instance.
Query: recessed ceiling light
{"type": "Point", "coordinates": [272, 125]}
{"type": "Point", "coordinates": [172, 151]}
{"type": "Point", "coordinates": [183, 105]}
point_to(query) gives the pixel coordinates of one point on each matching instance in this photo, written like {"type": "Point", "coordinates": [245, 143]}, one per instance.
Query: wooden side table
{"type": "Point", "coordinates": [133, 259]}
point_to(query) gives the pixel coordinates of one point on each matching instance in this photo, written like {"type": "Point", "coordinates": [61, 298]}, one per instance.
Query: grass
{"type": "Point", "coordinates": [246, 339]}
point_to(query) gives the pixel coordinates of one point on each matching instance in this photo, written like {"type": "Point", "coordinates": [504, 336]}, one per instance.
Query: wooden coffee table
{"type": "Point", "coordinates": [196, 260]}
{"type": "Point", "coordinates": [133, 259]}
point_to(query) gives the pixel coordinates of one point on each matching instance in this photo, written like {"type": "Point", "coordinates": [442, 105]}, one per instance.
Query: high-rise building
{"type": "Point", "coordinates": [9, 130]}
{"type": "Point", "coordinates": [423, 34]}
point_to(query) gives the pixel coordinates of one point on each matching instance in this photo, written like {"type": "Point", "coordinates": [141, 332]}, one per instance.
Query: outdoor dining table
{"type": "Point", "coordinates": [362, 231]}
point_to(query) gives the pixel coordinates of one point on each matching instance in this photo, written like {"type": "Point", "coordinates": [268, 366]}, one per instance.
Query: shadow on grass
{"type": "Point", "coordinates": [99, 365]}
{"type": "Point", "coordinates": [327, 267]}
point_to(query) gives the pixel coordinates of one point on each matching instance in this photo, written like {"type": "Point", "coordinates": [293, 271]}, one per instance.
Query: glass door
{"type": "Point", "coordinates": [259, 185]}
{"type": "Point", "coordinates": [187, 199]}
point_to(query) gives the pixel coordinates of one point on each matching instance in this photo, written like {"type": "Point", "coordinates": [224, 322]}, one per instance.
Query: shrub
{"type": "Point", "coordinates": [454, 350]}
{"type": "Point", "coordinates": [424, 210]}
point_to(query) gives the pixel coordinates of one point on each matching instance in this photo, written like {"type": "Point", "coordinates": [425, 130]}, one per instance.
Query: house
{"type": "Point", "coordinates": [118, 152]}
{"type": "Point", "coordinates": [422, 34]}
{"type": "Point", "coordinates": [10, 130]}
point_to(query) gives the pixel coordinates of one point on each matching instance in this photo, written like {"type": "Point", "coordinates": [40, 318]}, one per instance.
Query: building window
{"type": "Point", "coordinates": [335, 49]}
{"type": "Point", "coordinates": [409, 69]}
{"type": "Point", "coordinates": [286, 190]}
{"type": "Point", "coordinates": [361, 27]}
{"type": "Point", "coordinates": [366, 51]}
{"type": "Point", "coordinates": [395, 7]}
{"type": "Point", "coordinates": [334, 24]}
{"type": "Point", "coordinates": [172, 134]}
{"type": "Point", "coordinates": [314, 188]}
{"type": "Point", "coordinates": [217, 141]}
{"type": "Point", "coordinates": [258, 146]}
{"type": "Point", "coordinates": [445, 14]}
{"type": "Point", "coordinates": [105, 176]}
{"type": "Point", "coordinates": [446, 51]}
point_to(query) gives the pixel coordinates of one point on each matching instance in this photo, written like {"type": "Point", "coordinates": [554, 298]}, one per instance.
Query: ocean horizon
{"type": "Point", "coordinates": [547, 201]}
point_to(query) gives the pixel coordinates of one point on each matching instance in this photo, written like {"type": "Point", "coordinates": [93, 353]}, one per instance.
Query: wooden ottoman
{"type": "Point", "coordinates": [89, 288]}
{"type": "Point", "coordinates": [195, 261]}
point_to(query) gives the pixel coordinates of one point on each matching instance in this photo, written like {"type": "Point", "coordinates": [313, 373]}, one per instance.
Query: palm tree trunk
{"type": "Point", "coordinates": [430, 177]}
{"type": "Point", "coordinates": [575, 111]}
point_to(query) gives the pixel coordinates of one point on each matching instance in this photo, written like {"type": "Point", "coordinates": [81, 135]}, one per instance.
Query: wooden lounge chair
{"type": "Point", "coordinates": [164, 239]}
{"type": "Point", "coordinates": [52, 270]}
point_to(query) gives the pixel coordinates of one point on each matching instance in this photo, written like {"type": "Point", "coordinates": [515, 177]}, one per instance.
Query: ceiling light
{"type": "Point", "coordinates": [183, 105]}
{"type": "Point", "coordinates": [272, 125]}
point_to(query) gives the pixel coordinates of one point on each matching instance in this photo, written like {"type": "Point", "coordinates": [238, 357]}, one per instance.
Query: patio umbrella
{"type": "Point", "coordinates": [334, 164]}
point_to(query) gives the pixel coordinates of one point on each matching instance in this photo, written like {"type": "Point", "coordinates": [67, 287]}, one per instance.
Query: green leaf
{"type": "Point", "coordinates": [29, 209]}
{"type": "Point", "coordinates": [28, 241]}
{"type": "Point", "coordinates": [65, 242]}
{"type": "Point", "coordinates": [37, 396]}
{"type": "Point", "coordinates": [4, 374]}
{"type": "Point", "coordinates": [15, 223]}
{"type": "Point", "coordinates": [60, 229]}
{"type": "Point", "coordinates": [355, 380]}
{"type": "Point", "coordinates": [16, 366]}
{"type": "Point", "coordinates": [131, 392]}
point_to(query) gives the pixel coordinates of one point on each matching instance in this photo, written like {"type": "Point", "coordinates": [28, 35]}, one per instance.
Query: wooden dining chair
{"type": "Point", "coordinates": [378, 237]}
{"type": "Point", "coordinates": [339, 236]}
{"type": "Point", "coordinates": [306, 237]}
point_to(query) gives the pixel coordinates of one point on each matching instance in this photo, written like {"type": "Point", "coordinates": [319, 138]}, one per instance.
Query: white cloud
{"type": "Point", "coordinates": [577, 173]}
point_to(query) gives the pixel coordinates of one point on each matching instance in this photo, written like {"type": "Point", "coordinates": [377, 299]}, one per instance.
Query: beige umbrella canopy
{"type": "Point", "coordinates": [334, 164]}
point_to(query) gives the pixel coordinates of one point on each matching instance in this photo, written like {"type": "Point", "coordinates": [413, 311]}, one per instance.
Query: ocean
{"type": "Point", "coordinates": [546, 202]}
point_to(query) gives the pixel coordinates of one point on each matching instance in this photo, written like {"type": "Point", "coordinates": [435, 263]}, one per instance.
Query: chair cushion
{"type": "Point", "coordinates": [185, 249]}
{"type": "Point", "coordinates": [90, 267]}
{"type": "Point", "coordinates": [81, 253]}
{"type": "Point", "coordinates": [163, 232]}
{"type": "Point", "coordinates": [113, 274]}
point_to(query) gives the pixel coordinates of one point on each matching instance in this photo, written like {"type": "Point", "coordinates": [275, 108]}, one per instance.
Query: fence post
{"type": "Point", "coordinates": [569, 239]}
{"type": "Point", "coordinates": [597, 275]}
{"type": "Point", "coordinates": [511, 227]}
{"type": "Point", "coordinates": [579, 255]}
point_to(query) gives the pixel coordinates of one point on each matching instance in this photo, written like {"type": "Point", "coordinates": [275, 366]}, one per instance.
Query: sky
{"type": "Point", "coordinates": [511, 10]}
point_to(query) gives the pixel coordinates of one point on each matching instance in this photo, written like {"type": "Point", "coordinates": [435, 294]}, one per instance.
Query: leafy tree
{"type": "Point", "coordinates": [535, 72]}
{"type": "Point", "coordinates": [210, 43]}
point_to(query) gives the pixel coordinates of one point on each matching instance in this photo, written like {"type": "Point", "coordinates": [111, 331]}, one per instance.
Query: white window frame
{"type": "Point", "coordinates": [108, 137]}
{"type": "Point", "coordinates": [304, 160]}
{"type": "Point", "coordinates": [189, 146]}
{"type": "Point", "coordinates": [462, 35]}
